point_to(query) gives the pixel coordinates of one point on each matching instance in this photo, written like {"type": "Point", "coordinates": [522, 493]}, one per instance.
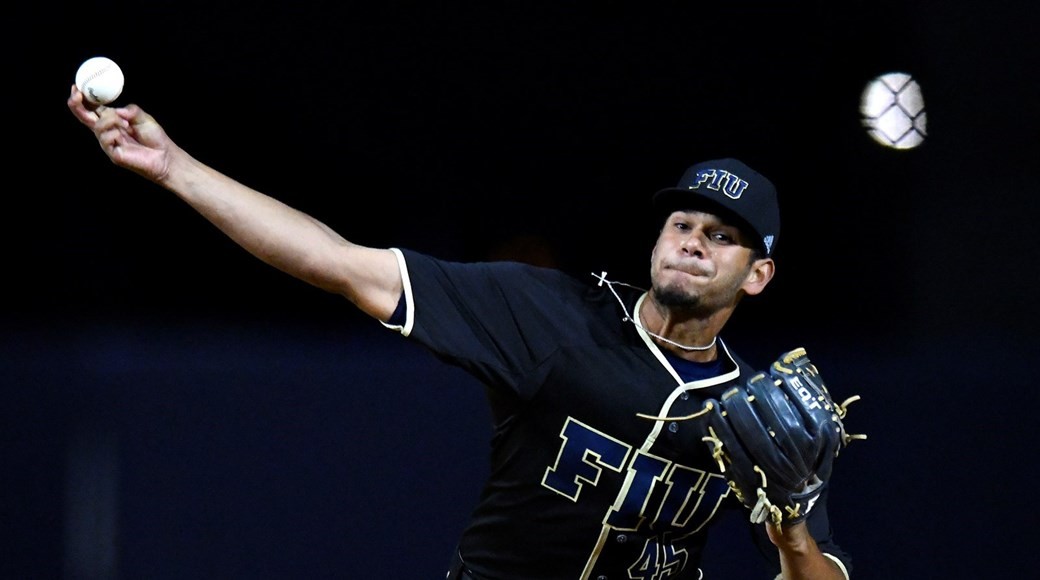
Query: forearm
{"type": "Point", "coordinates": [265, 227]}
{"type": "Point", "coordinates": [800, 557]}
{"type": "Point", "coordinates": [283, 237]}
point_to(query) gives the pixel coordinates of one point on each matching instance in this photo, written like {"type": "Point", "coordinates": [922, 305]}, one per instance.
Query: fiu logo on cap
{"type": "Point", "coordinates": [720, 180]}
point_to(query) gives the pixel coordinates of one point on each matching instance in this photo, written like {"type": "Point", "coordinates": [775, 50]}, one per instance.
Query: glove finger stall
{"type": "Point", "coordinates": [796, 440]}
{"type": "Point", "coordinates": [759, 444]}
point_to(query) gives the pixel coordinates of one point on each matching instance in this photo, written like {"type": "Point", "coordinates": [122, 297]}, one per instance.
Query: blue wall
{"type": "Point", "coordinates": [204, 450]}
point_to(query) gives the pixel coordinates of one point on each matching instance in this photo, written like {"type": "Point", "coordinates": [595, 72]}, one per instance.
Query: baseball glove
{"type": "Point", "coordinates": [775, 438]}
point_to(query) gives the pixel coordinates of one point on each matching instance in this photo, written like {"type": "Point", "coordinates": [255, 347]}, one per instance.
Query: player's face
{"type": "Point", "coordinates": [703, 264]}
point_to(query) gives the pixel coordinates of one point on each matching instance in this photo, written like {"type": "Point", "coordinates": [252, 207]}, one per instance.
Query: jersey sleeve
{"type": "Point", "coordinates": [497, 320]}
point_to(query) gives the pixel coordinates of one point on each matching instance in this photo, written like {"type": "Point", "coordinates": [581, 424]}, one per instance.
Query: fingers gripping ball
{"type": "Point", "coordinates": [100, 80]}
{"type": "Point", "coordinates": [775, 438]}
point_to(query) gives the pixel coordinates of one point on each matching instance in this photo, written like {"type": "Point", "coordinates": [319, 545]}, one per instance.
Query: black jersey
{"type": "Point", "coordinates": [579, 486]}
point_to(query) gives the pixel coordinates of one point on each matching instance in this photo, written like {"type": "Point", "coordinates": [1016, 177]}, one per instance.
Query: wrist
{"type": "Point", "coordinates": [793, 539]}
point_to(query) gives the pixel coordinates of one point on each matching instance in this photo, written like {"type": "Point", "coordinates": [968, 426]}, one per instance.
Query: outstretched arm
{"type": "Point", "coordinates": [281, 236]}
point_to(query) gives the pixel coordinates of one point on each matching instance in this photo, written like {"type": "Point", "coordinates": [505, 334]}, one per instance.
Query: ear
{"type": "Point", "coordinates": [759, 275]}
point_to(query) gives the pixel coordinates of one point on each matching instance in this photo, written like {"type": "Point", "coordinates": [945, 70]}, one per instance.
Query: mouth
{"type": "Point", "coordinates": [690, 271]}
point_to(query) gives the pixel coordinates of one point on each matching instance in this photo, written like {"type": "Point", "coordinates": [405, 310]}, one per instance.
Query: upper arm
{"type": "Point", "coordinates": [370, 278]}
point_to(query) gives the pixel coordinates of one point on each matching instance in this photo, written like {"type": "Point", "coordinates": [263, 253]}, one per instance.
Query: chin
{"type": "Point", "coordinates": [675, 296]}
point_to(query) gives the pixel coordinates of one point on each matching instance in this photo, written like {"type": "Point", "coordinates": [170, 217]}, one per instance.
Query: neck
{"type": "Point", "coordinates": [686, 337]}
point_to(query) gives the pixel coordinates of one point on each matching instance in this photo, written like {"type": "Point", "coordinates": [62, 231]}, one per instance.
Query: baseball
{"type": "Point", "coordinates": [893, 112]}
{"type": "Point", "coordinates": [100, 80]}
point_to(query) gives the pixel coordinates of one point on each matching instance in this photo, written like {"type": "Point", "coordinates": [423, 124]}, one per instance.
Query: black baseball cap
{"type": "Point", "coordinates": [732, 190]}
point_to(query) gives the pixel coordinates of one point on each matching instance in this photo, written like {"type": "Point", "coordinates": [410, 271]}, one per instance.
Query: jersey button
{"type": "Point", "coordinates": [621, 538]}
{"type": "Point", "coordinates": [673, 426]}
{"type": "Point", "coordinates": [684, 395]}
{"type": "Point", "coordinates": [601, 577]}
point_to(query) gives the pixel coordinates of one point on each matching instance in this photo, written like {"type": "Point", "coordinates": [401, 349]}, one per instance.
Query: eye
{"type": "Point", "coordinates": [723, 237]}
{"type": "Point", "coordinates": [680, 225]}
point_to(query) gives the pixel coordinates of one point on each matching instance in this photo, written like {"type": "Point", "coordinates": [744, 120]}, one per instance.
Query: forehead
{"type": "Point", "coordinates": [702, 216]}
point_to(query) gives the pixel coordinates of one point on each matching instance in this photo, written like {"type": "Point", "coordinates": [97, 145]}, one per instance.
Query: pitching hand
{"type": "Point", "coordinates": [130, 137]}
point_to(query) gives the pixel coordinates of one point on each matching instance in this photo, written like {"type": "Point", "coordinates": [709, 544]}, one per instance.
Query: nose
{"type": "Point", "coordinates": [694, 243]}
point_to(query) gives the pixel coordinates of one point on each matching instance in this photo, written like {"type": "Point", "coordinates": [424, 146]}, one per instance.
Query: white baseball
{"type": "Point", "coordinates": [100, 80]}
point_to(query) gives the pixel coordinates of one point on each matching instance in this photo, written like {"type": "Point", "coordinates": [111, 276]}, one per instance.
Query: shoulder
{"type": "Point", "coordinates": [504, 273]}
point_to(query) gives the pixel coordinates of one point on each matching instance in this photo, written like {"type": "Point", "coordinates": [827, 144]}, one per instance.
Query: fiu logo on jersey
{"type": "Point", "coordinates": [657, 494]}
{"type": "Point", "coordinates": [731, 185]}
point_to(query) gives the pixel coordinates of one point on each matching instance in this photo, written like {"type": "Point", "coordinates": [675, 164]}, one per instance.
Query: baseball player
{"type": "Point", "coordinates": [584, 482]}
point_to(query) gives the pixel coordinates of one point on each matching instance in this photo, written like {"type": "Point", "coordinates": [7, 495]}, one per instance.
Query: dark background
{"type": "Point", "coordinates": [175, 409]}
